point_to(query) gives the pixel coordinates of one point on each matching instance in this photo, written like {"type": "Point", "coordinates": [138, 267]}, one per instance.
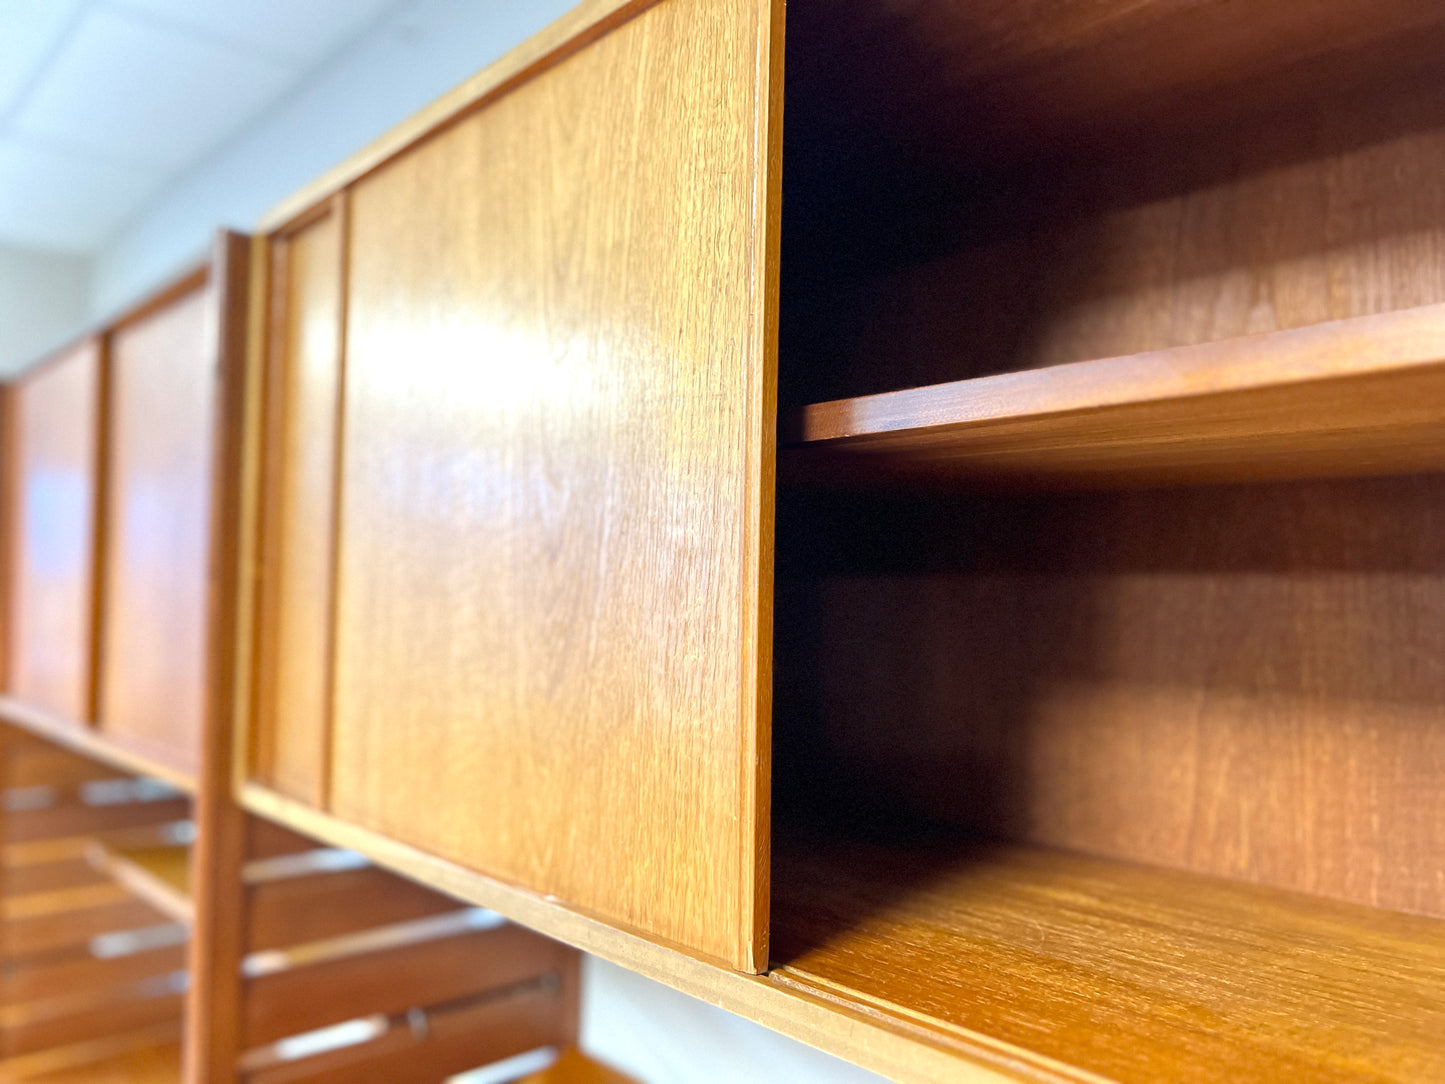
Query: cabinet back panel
{"type": "Point", "coordinates": [1330, 210]}
{"type": "Point", "coordinates": [55, 415]}
{"type": "Point", "coordinates": [554, 416]}
{"type": "Point", "coordinates": [1244, 682]}
{"type": "Point", "coordinates": [998, 79]}
{"type": "Point", "coordinates": [294, 655]}
{"type": "Point", "coordinates": [160, 438]}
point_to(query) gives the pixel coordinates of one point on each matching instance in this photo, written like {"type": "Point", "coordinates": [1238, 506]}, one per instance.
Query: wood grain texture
{"type": "Point", "coordinates": [572, 451]}
{"type": "Point", "coordinates": [296, 597]}
{"type": "Point", "coordinates": [1325, 212]}
{"type": "Point", "coordinates": [154, 604]}
{"type": "Point", "coordinates": [1122, 971]}
{"type": "Point", "coordinates": [52, 576]}
{"type": "Point", "coordinates": [888, 1045]}
{"type": "Point", "coordinates": [1239, 681]}
{"type": "Point", "coordinates": [1360, 396]}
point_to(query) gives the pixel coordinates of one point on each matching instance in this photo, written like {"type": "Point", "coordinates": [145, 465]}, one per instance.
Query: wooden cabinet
{"type": "Point", "coordinates": [110, 575]}
{"type": "Point", "coordinates": [147, 933]}
{"type": "Point", "coordinates": [552, 410]}
{"type": "Point", "coordinates": [1092, 726]}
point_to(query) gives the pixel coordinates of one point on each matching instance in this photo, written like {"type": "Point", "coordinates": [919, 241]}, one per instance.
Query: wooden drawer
{"type": "Point", "coordinates": [512, 609]}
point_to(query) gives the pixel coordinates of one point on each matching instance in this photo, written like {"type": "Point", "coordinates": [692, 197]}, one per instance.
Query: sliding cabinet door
{"type": "Point", "coordinates": [549, 419]}
{"type": "Point", "coordinates": [55, 421]}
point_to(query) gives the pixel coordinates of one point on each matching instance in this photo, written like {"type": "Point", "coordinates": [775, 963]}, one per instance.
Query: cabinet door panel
{"type": "Point", "coordinates": [52, 602]}
{"type": "Point", "coordinates": [552, 583]}
{"type": "Point", "coordinates": [294, 657]}
{"type": "Point", "coordinates": [159, 446]}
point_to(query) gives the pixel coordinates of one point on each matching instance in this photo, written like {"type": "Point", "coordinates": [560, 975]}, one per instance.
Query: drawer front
{"type": "Point", "coordinates": [159, 441]}
{"type": "Point", "coordinates": [548, 413]}
{"type": "Point", "coordinates": [54, 415]}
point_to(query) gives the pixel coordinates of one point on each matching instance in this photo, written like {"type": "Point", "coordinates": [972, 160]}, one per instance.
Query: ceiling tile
{"type": "Point", "coordinates": [126, 87]}
{"type": "Point", "coordinates": [300, 31]}
{"type": "Point", "coordinates": [53, 200]}
{"type": "Point", "coordinates": [29, 32]}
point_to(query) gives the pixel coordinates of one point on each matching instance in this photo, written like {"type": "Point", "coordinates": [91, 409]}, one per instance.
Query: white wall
{"type": "Point", "coordinates": [43, 301]}
{"type": "Point", "coordinates": [420, 51]}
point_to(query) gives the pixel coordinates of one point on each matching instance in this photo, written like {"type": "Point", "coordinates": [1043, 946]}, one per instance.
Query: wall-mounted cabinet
{"type": "Point", "coordinates": [1103, 700]}
{"type": "Point", "coordinates": [111, 530]}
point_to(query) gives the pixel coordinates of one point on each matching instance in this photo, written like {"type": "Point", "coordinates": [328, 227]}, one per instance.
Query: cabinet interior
{"type": "Point", "coordinates": [1115, 711]}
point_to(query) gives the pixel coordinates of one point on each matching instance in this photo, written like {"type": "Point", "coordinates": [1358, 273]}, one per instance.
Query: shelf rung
{"type": "Point", "coordinates": [1364, 396]}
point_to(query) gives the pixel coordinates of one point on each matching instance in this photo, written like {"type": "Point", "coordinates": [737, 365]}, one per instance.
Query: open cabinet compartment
{"type": "Point", "coordinates": [1059, 536]}
{"type": "Point", "coordinates": [1108, 722]}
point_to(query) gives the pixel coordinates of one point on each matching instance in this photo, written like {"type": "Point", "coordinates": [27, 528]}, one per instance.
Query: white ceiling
{"type": "Point", "coordinates": [103, 101]}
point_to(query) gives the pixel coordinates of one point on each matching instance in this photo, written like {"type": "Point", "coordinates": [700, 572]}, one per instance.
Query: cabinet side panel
{"type": "Point", "coordinates": [294, 653]}
{"type": "Point", "coordinates": [157, 529]}
{"type": "Point", "coordinates": [56, 410]}
{"type": "Point", "coordinates": [551, 419]}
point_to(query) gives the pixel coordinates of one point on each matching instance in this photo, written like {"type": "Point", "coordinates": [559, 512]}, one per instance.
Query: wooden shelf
{"type": "Point", "coordinates": [1064, 962]}
{"type": "Point", "coordinates": [160, 874]}
{"type": "Point", "coordinates": [1350, 397]}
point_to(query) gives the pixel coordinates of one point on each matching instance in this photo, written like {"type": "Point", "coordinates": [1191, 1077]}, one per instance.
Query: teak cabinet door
{"type": "Point", "coordinates": [547, 399]}
{"type": "Point", "coordinates": [54, 419]}
{"type": "Point", "coordinates": [156, 522]}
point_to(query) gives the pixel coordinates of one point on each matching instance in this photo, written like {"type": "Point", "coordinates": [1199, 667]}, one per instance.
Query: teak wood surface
{"type": "Point", "coordinates": [556, 411]}
{"type": "Point", "coordinates": [298, 546]}
{"type": "Point", "coordinates": [1133, 974]}
{"type": "Point", "coordinates": [155, 578]}
{"type": "Point", "coordinates": [1359, 396]}
{"type": "Point", "coordinates": [54, 442]}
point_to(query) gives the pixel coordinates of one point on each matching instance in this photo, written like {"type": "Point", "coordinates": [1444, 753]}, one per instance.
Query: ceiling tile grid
{"type": "Point", "coordinates": [103, 101]}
